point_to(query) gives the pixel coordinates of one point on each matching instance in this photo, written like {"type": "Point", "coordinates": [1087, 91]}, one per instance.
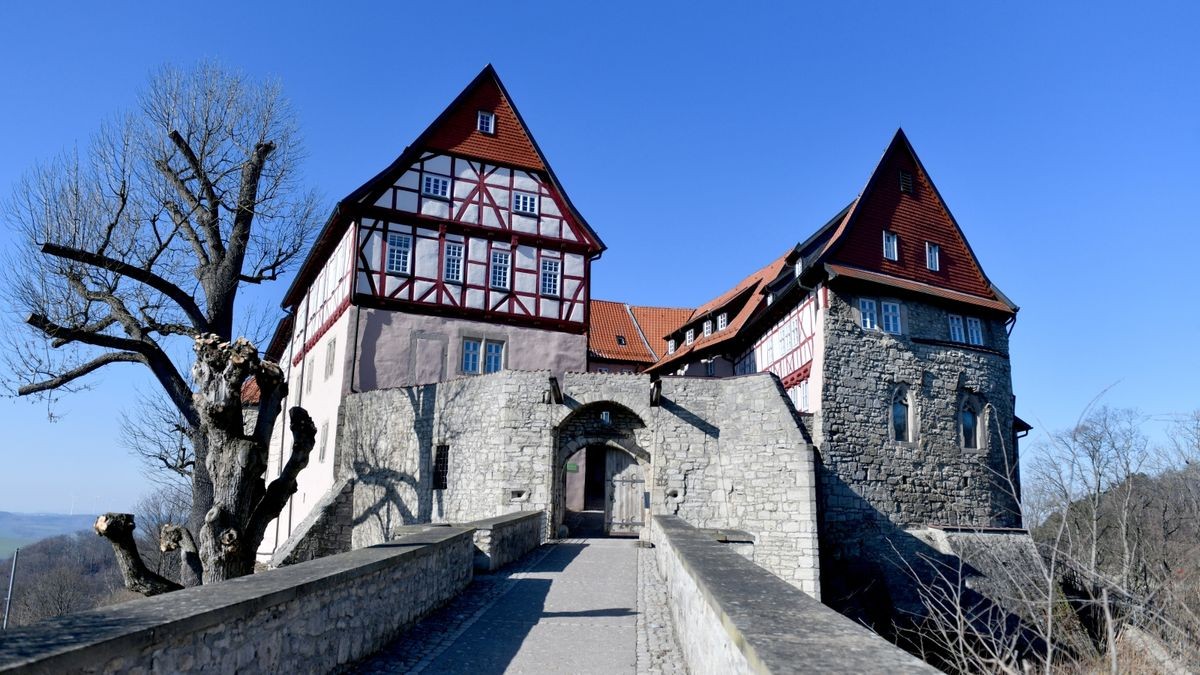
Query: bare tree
{"type": "Point", "coordinates": [142, 240]}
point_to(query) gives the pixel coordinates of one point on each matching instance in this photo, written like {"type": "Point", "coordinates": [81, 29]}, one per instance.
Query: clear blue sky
{"type": "Point", "coordinates": [701, 140]}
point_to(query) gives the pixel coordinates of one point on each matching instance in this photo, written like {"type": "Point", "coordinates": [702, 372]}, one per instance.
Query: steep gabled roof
{"type": "Point", "coordinates": [659, 322]}
{"type": "Point", "coordinates": [453, 131]}
{"type": "Point", "coordinates": [916, 218]}
{"type": "Point", "coordinates": [641, 328]}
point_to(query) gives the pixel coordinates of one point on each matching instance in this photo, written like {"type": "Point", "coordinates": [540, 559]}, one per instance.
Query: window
{"type": "Point", "coordinates": [399, 253]}
{"type": "Point", "coordinates": [493, 356]}
{"type": "Point", "coordinates": [804, 395]}
{"type": "Point", "coordinates": [708, 328]}
{"type": "Point", "coordinates": [866, 308]}
{"type": "Point", "coordinates": [891, 317]}
{"type": "Point", "coordinates": [605, 417]}
{"type": "Point", "coordinates": [891, 246]}
{"type": "Point", "coordinates": [956, 328]}
{"type": "Point", "coordinates": [486, 122]}
{"type": "Point", "coordinates": [441, 467]}
{"type": "Point", "coordinates": [324, 441]}
{"type": "Point", "coordinates": [330, 357]}
{"type": "Point", "coordinates": [470, 355]}
{"type": "Point", "coordinates": [670, 346]}
{"type": "Point", "coordinates": [906, 182]}
{"type": "Point", "coordinates": [601, 369]}
{"type": "Point", "coordinates": [690, 336]}
{"type": "Point", "coordinates": [452, 265]}
{"type": "Point", "coordinates": [621, 340]}
{"type": "Point", "coordinates": [436, 186]}
{"type": "Point", "coordinates": [523, 202]}
{"type": "Point", "coordinates": [969, 424]}
{"type": "Point", "coordinates": [932, 256]}
{"type": "Point", "coordinates": [722, 321]}
{"type": "Point", "coordinates": [710, 368]}
{"type": "Point", "coordinates": [900, 416]}
{"type": "Point", "coordinates": [500, 263]}
{"type": "Point", "coordinates": [308, 377]}
{"type": "Point", "coordinates": [550, 270]}
{"type": "Point", "coordinates": [974, 331]}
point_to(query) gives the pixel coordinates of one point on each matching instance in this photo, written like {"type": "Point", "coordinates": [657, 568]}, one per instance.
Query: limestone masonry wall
{"type": "Point", "coordinates": [504, 539]}
{"type": "Point", "coordinates": [325, 531]}
{"type": "Point", "coordinates": [309, 617]}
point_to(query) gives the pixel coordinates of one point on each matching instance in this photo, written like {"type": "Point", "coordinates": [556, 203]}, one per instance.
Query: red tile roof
{"type": "Point", "coordinates": [457, 133]}
{"type": "Point", "coordinates": [250, 392]}
{"type": "Point", "coordinates": [641, 328]}
{"type": "Point", "coordinates": [916, 287]}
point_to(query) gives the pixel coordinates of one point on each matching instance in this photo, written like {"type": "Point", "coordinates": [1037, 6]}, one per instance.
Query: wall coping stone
{"type": "Point", "coordinates": [77, 641]}
{"type": "Point", "coordinates": [777, 627]}
{"type": "Point", "coordinates": [501, 521]}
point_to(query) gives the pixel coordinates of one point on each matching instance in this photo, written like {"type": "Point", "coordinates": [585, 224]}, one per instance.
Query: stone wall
{"type": "Point", "coordinates": [726, 453]}
{"type": "Point", "coordinates": [309, 617]}
{"type": "Point", "coordinates": [505, 539]}
{"type": "Point", "coordinates": [732, 617]}
{"type": "Point", "coordinates": [326, 531]}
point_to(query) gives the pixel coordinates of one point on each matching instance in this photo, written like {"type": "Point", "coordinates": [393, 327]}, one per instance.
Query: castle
{"type": "Point", "coordinates": [853, 393]}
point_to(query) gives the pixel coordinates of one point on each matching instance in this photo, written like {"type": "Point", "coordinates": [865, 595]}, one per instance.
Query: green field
{"type": "Point", "coordinates": [8, 545]}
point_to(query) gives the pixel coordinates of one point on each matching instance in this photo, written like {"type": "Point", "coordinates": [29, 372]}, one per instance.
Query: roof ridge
{"type": "Point", "coordinates": [642, 335]}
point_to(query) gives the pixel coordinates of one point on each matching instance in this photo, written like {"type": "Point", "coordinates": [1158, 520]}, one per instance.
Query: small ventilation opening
{"type": "Point", "coordinates": [906, 182]}
{"type": "Point", "coordinates": [621, 340]}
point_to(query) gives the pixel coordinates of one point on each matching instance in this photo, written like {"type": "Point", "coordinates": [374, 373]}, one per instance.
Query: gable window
{"type": "Point", "coordinates": [891, 245]}
{"type": "Point", "coordinates": [324, 441]}
{"type": "Point", "coordinates": [452, 265]}
{"type": "Point", "coordinates": [690, 336]}
{"type": "Point", "coordinates": [550, 277]}
{"type": "Point", "coordinates": [906, 182]}
{"type": "Point", "coordinates": [486, 122]}
{"type": "Point", "coordinates": [956, 328]}
{"type": "Point", "coordinates": [436, 186]}
{"type": "Point", "coordinates": [722, 321]}
{"type": "Point", "coordinates": [621, 340]}
{"type": "Point", "coordinates": [670, 346]}
{"type": "Point", "coordinates": [441, 467]}
{"type": "Point", "coordinates": [330, 357]}
{"type": "Point", "coordinates": [866, 309]}
{"type": "Point", "coordinates": [891, 317]}
{"type": "Point", "coordinates": [399, 253]}
{"type": "Point", "coordinates": [500, 266]}
{"type": "Point", "coordinates": [974, 331]}
{"type": "Point", "coordinates": [933, 256]}
{"type": "Point", "coordinates": [708, 328]}
{"type": "Point", "coordinates": [968, 417]}
{"type": "Point", "coordinates": [901, 426]}
{"type": "Point", "coordinates": [523, 202]}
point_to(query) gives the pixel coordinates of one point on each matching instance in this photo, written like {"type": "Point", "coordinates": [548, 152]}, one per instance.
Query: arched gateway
{"type": "Point", "coordinates": [601, 472]}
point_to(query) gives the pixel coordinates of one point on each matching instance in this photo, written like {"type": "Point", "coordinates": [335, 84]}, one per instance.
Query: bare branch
{"type": "Point", "coordinates": [118, 529]}
{"type": "Point", "coordinates": [76, 373]}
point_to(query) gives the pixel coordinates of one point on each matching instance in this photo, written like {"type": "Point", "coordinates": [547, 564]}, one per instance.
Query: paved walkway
{"type": "Point", "coordinates": [576, 606]}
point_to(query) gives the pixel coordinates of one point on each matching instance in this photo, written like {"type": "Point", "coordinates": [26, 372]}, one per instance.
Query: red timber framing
{"type": "Point", "coordinates": [787, 348]}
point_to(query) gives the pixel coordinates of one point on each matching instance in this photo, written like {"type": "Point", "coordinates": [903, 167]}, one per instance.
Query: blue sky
{"type": "Point", "coordinates": [701, 140]}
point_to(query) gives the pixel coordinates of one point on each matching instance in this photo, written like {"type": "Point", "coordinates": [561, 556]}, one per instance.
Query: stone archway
{"type": "Point", "coordinates": [596, 447]}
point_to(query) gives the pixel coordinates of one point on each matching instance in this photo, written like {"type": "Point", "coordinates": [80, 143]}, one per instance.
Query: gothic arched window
{"type": "Point", "coordinates": [901, 415]}
{"type": "Point", "coordinates": [970, 423]}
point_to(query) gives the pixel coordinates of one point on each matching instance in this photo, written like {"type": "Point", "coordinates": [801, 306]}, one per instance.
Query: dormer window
{"type": "Point", "coordinates": [906, 182]}
{"type": "Point", "coordinates": [436, 186]}
{"type": "Point", "coordinates": [708, 328]}
{"type": "Point", "coordinates": [933, 254]}
{"type": "Point", "coordinates": [621, 340]}
{"type": "Point", "coordinates": [526, 203]}
{"type": "Point", "coordinates": [690, 336]}
{"type": "Point", "coordinates": [722, 321]}
{"type": "Point", "coordinates": [891, 246]}
{"type": "Point", "coordinates": [486, 122]}
{"type": "Point", "coordinates": [670, 346]}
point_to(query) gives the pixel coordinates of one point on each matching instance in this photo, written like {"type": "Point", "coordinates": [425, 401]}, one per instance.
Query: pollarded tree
{"type": "Point", "coordinates": [140, 243]}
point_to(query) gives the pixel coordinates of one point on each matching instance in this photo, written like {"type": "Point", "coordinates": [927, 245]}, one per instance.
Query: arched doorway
{"type": "Point", "coordinates": [600, 473]}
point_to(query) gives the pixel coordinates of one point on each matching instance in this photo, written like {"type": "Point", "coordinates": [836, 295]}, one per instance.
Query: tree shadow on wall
{"type": "Point", "coordinates": [690, 417]}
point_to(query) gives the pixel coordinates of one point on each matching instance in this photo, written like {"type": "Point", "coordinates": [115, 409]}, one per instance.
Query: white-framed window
{"type": "Point", "coordinates": [500, 267]}
{"type": "Point", "coordinates": [482, 356]}
{"type": "Point", "coordinates": [324, 441]}
{"type": "Point", "coordinates": [804, 395]}
{"type": "Point", "coordinates": [722, 321]}
{"type": "Point", "coordinates": [524, 202]}
{"type": "Point", "coordinates": [670, 346]}
{"type": "Point", "coordinates": [866, 311]}
{"type": "Point", "coordinates": [891, 245]}
{"type": "Point", "coordinates": [330, 357]}
{"type": "Point", "coordinates": [891, 317]}
{"type": "Point", "coordinates": [710, 368]}
{"type": "Point", "coordinates": [550, 276]}
{"type": "Point", "coordinates": [690, 336]}
{"type": "Point", "coordinates": [308, 375]}
{"type": "Point", "coordinates": [436, 186]}
{"type": "Point", "coordinates": [485, 121]}
{"type": "Point", "coordinates": [707, 327]}
{"type": "Point", "coordinates": [956, 328]}
{"type": "Point", "coordinates": [452, 265]}
{"type": "Point", "coordinates": [933, 254]}
{"type": "Point", "coordinates": [399, 253]}
{"type": "Point", "coordinates": [974, 331]}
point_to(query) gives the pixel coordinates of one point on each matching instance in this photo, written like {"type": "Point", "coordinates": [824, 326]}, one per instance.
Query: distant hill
{"type": "Point", "coordinates": [20, 529]}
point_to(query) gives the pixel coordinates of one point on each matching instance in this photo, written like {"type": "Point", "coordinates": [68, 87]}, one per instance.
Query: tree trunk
{"type": "Point", "coordinates": [118, 529]}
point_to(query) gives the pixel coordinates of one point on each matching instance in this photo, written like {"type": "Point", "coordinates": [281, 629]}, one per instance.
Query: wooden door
{"type": "Point", "coordinates": [624, 489]}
